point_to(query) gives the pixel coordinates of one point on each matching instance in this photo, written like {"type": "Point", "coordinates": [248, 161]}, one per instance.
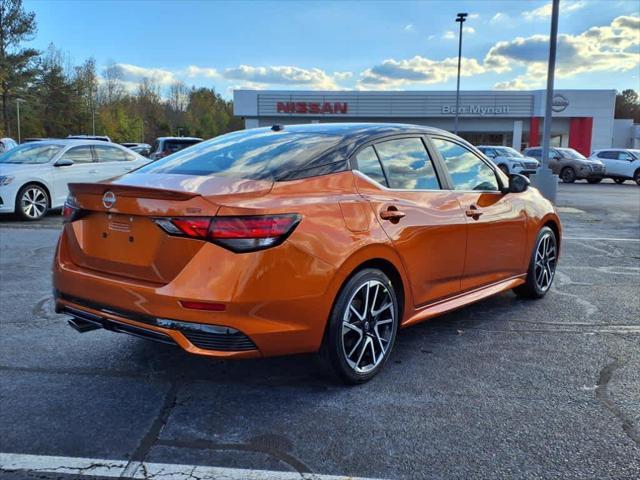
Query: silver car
{"type": "Point", "coordinates": [570, 164]}
{"type": "Point", "coordinates": [509, 160]}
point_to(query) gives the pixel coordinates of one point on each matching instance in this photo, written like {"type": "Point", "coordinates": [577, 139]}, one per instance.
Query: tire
{"type": "Point", "coordinates": [568, 175]}
{"type": "Point", "coordinates": [360, 335]}
{"type": "Point", "coordinates": [504, 168]}
{"type": "Point", "coordinates": [636, 176]}
{"type": "Point", "coordinates": [542, 266]}
{"type": "Point", "coordinates": [594, 180]}
{"type": "Point", "coordinates": [619, 181]}
{"type": "Point", "coordinates": [32, 202]}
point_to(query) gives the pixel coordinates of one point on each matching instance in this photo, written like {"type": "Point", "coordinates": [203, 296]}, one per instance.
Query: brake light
{"type": "Point", "coordinates": [70, 210]}
{"type": "Point", "coordinates": [238, 234]}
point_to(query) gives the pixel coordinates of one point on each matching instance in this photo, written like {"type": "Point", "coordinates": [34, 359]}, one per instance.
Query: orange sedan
{"type": "Point", "coordinates": [302, 238]}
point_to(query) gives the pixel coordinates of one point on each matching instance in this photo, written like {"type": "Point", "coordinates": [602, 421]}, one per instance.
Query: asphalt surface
{"type": "Point", "coordinates": [506, 388]}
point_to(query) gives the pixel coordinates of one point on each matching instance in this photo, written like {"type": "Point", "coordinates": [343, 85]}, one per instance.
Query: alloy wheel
{"type": "Point", "coordinates": [545, 262]}
{"type": "Point", "coordinates": [33, 202]}
{"type": "Point", "coordinates": [367, 326]}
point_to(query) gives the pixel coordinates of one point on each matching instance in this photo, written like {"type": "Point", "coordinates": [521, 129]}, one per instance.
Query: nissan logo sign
{"type": "Point", "coordinates": [559, 103]}
{"type": "Point", "coordinates": [109, 199]}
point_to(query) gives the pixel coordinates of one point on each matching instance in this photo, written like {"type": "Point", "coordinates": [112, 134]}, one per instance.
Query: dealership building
{"type": "Point", "coordinates": [582, 119]}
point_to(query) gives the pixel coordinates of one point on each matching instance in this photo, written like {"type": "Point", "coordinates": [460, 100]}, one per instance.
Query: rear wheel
{"type": "Point", "coordinates": [619, 181]}
{"type": "Point", "coordinates": [32, 202]}
{"type": "Point", "coordinates": [542, 266]}
{"type": "Point", "coordinates": [362, 327]}
{"type": "Point", "coordinates": [636, 176]}
{"type": "Point", "coordinates": [594, 180]}
{"type": "Point", "coordinates": [568, 175]}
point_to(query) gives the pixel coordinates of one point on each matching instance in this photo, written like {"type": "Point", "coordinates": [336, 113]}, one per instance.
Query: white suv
{"type": "Point", "coordinates": [509, 160]}
{"type": "Point", "coordinates": [621, 163]}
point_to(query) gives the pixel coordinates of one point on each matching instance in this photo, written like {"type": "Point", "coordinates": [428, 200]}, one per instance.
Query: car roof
{"type": "Point", "coordinates": [179, 138]}
{"type": "Point", "coordinates": [73, 141]}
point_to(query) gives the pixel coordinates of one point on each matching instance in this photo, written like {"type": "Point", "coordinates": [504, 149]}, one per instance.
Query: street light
{"type": "Point", "coordinates": [461, 18]}
{"type": "Point", "coordinates": [18, 102]}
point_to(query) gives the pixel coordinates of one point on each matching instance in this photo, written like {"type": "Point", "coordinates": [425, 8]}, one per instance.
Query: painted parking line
{"type": "Point", "coordinates": [597, 239]}
{"type": "Point", "coordinates": [94, 467]}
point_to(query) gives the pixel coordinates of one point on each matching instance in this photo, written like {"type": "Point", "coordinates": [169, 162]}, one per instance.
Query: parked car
{"type": "Point", "coordinates": [620, 163]}
{"type": "Point", "coordinates": [509, 160]}
{"type": "Point", "coordinates": [143, 149]}
{"type": "Point", "coordinates": [164, 146]}
{"type": "Point", "coordinates": [304, 238]}
{"type": "Point", "coordinates": [570, 164]}
{"type": "Point", "coordinates": [34, 176]}
{"type": "Point", "coordinates": [102, 138]}
{"type": "Point", "coordinates": [7, 144]}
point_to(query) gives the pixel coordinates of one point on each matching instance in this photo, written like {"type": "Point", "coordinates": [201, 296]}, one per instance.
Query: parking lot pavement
{"type": "Point", "coordinates": [504, 388]}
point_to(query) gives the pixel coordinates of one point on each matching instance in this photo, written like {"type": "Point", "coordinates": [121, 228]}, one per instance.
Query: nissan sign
{"type": "Point", "coordinates": [559, 103]}
{"type": "Point", "coordinates": [313, 108]}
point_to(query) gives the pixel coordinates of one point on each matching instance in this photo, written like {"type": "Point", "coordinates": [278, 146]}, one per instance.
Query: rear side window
{"type": "Point", "coordinates": [79, 154]}
{"type": "Point", "coordinates": [369, 164]}
{"type": "Point", "coordinates": [253, 154]}
{"type": "Point", "coordinates": [173, 146]}
{"type": "Point", "coordinates": [467, 171]}
{"type": "Point", "coordinates": [533, 152]}
{"type": "Point", "coordinates": [625, 156]}
{"type": "Point", "coordinates": [407, 164]}
{"type": "Point", "coordinates": [110, 154]}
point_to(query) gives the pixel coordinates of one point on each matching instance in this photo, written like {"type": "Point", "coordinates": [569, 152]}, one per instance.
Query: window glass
{"type": "Point", "coordinates": [109, 154]}
{"type": "Point", "coordinates": [408, 165]}
{"type": "Point", "coordinates": [534, 152]}
{"type": "Point", "coordinates": [467, 171]}
{"type": "Point", "coordinates": [30, 153]}
{"type": "Point", "coordinates": [608, 154]}
{"type": "Point", "coordinates": [625, 156]}
{"type": "Point", "coordinates": [79, 154]}
{"type": "Point", "coordinates": [369, 165]}
{"type": "Point", "coordinates": [255, 154]}
{"type": "Point", "coordinates": [172, 146]}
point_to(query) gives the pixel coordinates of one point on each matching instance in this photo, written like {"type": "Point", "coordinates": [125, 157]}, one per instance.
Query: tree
{"type": "Point", "coordinates": [16, 64]}
{"type": "Point", "coordinates": [628, 105]}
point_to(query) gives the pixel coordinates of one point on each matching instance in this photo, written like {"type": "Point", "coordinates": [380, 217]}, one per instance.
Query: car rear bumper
{"type": "Point", "coordinates": [272, 311]}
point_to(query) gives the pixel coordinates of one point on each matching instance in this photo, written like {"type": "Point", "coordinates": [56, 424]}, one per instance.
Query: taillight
{"type": "Point", "coordinates": [238, 234]}
{"type": "Point", "coordinates": [70, 210]}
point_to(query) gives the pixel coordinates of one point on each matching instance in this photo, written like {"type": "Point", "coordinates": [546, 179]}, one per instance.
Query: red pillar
{"type": "Point", "coordinates": [534, 132]}
{"type": "Point", "coordinates": [580, 134]}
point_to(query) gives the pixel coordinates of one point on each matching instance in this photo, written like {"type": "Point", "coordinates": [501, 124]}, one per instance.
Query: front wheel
{"type": "Point", "coordinates": [636, 176]}
{"type": "Point", "coordinates": [362, 327]}
{"type": "Point", "coordinates": [542, 266]}
{"type": "Point", "coordinates": [32, 202]}
{"type": "Point", "coordinates": [568, 175]}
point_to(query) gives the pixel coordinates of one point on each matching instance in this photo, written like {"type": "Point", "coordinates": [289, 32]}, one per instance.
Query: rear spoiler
{"type": "Point", "coordinates": [129, 191]}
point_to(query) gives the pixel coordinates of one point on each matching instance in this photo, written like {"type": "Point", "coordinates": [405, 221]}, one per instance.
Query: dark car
{"type": "Point", "coordinates": [164, 146]}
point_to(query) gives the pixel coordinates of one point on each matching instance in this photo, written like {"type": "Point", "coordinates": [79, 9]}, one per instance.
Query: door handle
{"type": "Point", "coordinates": [473, 212]}
{"type": "Point", "coordinates": [392, 214]}
{"type": "Point", "coordinates": [93, 171]}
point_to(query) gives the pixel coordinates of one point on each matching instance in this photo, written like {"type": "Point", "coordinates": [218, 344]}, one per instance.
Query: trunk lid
{"type": "Point", "coordinates": [117, 235]}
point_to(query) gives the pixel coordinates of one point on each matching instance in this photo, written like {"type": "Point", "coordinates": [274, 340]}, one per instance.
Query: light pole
{"type": "Point", "coordinates": [544, 179]}
{"type": "Point", "coordinates": [18, 102]}
{"type": "Point", "coordinates": [460, 19]}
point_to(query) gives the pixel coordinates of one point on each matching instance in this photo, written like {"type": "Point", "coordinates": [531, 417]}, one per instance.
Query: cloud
{"type": "Point", "coordinates": [544, 11]}
{"type": "Point", "coordinates": [521, 82]}
{"type": "Point", "coordinates": [470, 30]}
{"type": "Point", "coordinates": [449, 35]}
{"type": "Point", "coordinates": [132, 74]}
{"type": "Point", "coordinates": [342, 75]}
{"type": "Point", "coordinates": [473, 16]}
{"type": "Point", "coordinates": [500, 18]}
{"type": "Point", "coordinates": [607, 48]}
{"type": "Point", "coordinates": [282, 75]}
{"type": "Point", "coordinates": [195, 71]}
{"type": "Point", "coordinates": [409, 27]}
{"type": "Point", "coordinates": [398, 73]}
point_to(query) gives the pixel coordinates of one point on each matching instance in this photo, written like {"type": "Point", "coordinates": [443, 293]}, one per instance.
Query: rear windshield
{"type": "Point", "coordinates": [253, 154]}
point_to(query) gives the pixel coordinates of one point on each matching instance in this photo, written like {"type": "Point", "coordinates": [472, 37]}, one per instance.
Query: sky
{"type": "Point", "coordinates": [353, 45]}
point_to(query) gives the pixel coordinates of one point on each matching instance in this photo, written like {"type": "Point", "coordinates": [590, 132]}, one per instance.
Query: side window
{"type": "Point", "coordinates": [625, 156]}
{"type": "Point", "coordinates": [608, 154]}
{"type": "Point", "coordinates": [490, 152]}
{"type": "Point", "coordinates": [109, 154]}
{"type": "Point", "coordinates": [369, 164]}
{"type": "Point", "coordinates": [79, 154]}
{"type": "Point", "coordinates": [408, 164]}
{"type": "Point", "coordinates": [534, 152]}
{"type": "Point", "coordinates": [467, 171]}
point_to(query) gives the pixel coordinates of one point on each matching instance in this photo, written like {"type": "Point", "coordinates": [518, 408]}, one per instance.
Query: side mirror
{"type": "Point", "coordinates": [518, 183]}
{"type": "Point", "coordinates": [63, 162]}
